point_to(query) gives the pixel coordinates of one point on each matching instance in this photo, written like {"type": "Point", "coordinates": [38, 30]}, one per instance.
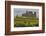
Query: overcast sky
{"type": "Point", "coordinates": [20, 11]}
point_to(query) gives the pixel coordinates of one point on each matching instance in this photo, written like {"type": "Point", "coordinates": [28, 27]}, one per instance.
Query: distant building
{"type": "Point", "coordinates": [29, 13]}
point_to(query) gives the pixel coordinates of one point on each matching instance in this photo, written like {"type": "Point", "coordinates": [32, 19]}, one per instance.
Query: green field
{"type": "Point", "coordinates": [23, 21]}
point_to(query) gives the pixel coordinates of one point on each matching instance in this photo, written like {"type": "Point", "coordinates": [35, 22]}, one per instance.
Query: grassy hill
{"type": "Point", "coordinates": [24, 21]}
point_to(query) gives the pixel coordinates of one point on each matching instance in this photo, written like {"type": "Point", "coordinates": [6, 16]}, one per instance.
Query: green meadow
{"type": "Point", "coordinates": [23, 21]}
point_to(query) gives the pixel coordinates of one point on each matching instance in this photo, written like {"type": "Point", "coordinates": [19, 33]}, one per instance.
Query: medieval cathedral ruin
{"type": "Point", "coordinates": [29, 13]}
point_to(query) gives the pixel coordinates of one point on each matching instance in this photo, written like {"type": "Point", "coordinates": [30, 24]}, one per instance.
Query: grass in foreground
{"type": "Point", "coordinates": [26, 21]}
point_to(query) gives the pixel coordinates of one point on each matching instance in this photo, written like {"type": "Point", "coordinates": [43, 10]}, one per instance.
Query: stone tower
{"type": "Point", "coordinates": [35, 14]}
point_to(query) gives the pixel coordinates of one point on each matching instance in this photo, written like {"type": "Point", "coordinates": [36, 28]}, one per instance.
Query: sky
{"type": "Point", "coordinates": [20, 11]}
